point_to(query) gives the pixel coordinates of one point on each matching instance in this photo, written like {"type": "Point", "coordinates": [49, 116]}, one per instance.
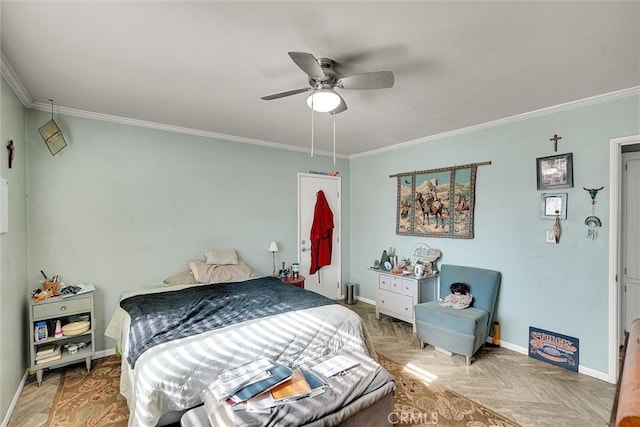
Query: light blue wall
{"type": "Point", "coordinates": [559, 287]}
{"type": "Point", "coordinates": [124, 207]}
{"type": "Point", "coordinates": [13, 251]}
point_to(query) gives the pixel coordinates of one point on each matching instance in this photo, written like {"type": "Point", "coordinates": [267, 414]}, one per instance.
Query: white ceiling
{"type": "Point", "coordinates": [204, 65]}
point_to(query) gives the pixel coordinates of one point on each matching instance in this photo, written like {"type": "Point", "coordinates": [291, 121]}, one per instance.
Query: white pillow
{"type": "Point", "coordinates": [182, 278]}
{"type": "Point", "coordinates": [221, 256]}
{"type": "Point", "coordinates": [214, 273]}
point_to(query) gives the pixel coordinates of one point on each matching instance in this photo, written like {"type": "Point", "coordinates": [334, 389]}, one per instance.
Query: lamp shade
{"type": "Point", "coordinates": [323, 100]}
{"type": "Point", "coordinates": [273, 247]}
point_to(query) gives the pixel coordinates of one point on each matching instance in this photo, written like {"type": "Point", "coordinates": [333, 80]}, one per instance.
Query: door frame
{"type": "Point", "coordinates": [615, 220]}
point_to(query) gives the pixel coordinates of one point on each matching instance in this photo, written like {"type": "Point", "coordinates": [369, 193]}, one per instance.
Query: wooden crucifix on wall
{"type": "Point", "coordinates": [11, 149]}
{"type": "Point", "coordinates": [555, 140]}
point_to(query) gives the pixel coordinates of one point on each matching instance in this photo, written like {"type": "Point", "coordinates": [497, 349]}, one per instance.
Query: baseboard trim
{"type": "Point", "coordinates": [14, 401]}
{"type": "Point", "coordinates": [366, 300]}
{"type": "Point", "coordinates": [581, 369]}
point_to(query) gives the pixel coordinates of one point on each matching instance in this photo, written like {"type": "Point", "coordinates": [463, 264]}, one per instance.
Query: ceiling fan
{"type": "Point", "coordinates": [323, 79]}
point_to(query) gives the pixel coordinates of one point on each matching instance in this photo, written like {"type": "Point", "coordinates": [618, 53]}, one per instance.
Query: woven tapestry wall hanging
{"type": "Point", "coordinates": [437, 202]}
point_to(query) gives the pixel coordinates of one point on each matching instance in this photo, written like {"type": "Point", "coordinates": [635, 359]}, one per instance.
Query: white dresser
{"type": "Point", "coordinates": [396, 295]}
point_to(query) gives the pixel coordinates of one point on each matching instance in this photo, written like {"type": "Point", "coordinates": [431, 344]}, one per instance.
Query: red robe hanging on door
{"type": "Point", "coordinates": [321, 234]}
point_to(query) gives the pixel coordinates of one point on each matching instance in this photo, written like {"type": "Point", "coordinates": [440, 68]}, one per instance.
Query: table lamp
{"type": "Point", "coordinates": [273, 248]}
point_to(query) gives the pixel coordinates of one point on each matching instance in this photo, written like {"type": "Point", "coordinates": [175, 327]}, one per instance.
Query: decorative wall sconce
{"type": "Point", "coordinates": [52, 135]}
{"type": "Point", "coordinates": [592, 221]}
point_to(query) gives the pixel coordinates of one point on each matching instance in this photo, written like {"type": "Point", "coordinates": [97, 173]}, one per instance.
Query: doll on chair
{"type": "Point", "coordinates": [459, 297]}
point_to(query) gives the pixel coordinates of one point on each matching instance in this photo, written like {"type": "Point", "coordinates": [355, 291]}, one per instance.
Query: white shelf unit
{"type": "Point", "coordinates": [66, 310]}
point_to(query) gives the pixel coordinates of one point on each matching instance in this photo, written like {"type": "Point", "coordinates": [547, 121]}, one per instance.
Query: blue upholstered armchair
{"type": "Point", "coordinates": [459, 331]}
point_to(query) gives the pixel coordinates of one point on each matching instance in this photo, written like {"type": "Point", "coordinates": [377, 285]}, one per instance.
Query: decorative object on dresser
{"type": "Point", "coordinates": [423, 254]}
{"type": "Point", "coordinates": [437, 202]}
{"type": "Point", "coordinates": [76, 315]}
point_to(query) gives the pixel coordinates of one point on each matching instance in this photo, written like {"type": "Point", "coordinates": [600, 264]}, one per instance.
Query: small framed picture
{"type": "Point", "coordinates": [555, 171]}
{"type": "Point", "coordinates": [553, 205]}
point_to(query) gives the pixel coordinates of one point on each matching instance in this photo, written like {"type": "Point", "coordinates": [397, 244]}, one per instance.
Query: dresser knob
{"type": "Point", "coordinates": [63, 308]}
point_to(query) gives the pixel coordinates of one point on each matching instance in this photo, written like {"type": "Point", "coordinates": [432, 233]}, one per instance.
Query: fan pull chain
{"type": "Point", "coordinates": [334, 140]}
{"type": "Point", "coordinates": [312, 110]}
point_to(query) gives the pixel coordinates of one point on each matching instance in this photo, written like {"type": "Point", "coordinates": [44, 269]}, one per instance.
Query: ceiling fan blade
{"type": "Point", "coordinates": [308, 63]}
{"type": "Point", "coordinates": [283, 94]}
{"type": "Point", "coordinates": [372, 80]}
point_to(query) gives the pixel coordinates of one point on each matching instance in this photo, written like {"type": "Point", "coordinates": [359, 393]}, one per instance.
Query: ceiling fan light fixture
{"type": "Point", "coordinates": [323, 100]}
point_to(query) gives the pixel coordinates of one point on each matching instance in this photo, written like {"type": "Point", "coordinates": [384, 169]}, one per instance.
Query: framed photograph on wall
{"type": "Point", "coordinates": [552, 205]}
{"type": "Point", "coordinates": [555, 171]}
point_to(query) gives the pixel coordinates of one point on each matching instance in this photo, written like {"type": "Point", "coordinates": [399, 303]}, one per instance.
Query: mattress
{"type": "Point", "coordinates": [171, 376]}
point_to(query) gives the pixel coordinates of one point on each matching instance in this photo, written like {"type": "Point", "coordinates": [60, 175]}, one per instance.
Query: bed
{"type": "Point", "coordinates": [165, 375]}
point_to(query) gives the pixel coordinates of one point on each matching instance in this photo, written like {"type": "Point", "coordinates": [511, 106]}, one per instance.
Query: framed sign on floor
{"type": "Point", "coordinates": [557, 349]}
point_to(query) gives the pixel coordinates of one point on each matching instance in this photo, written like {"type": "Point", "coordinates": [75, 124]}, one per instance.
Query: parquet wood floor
{"type": "Point", "coordinates": [528, 391]}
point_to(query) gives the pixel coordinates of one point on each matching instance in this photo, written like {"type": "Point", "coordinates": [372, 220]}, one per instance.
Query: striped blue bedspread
{"type": "Point", "coordinates": [162, 317]}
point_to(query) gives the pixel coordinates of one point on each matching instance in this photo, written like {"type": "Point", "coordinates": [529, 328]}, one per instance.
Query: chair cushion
{"type": "Point", "coordinates": [465, 321]}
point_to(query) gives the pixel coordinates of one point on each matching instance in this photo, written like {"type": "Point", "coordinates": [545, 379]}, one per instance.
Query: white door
{"type": "Point", "coordinates": [327, 280]}
{"type": "Point", "coordinates": [631, 237]}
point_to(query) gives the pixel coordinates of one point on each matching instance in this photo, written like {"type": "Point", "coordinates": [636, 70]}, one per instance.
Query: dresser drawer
{"type": "Point", "coordinates": [400, 306]}
{"type": "Point", "coordinates": [409, 288]}
{"type": "Point", "coordinates": [384, 282]}
{"type": "Point", "coordinates": [396, 285]}
{"type": "Point", "coordinates": [61, 308]}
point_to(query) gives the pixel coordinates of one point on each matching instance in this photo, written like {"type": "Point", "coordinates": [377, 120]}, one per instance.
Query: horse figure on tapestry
{"type": "Point", "coordinates": [430, 206]}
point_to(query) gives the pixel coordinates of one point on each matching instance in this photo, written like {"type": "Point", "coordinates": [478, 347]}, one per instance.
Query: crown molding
{"type": "Point", "coordinates": [14, 82]}
{"type": "Point", "coordinates": [624, 93]}
{"type": "Point", "coordinates": [176, 129]}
